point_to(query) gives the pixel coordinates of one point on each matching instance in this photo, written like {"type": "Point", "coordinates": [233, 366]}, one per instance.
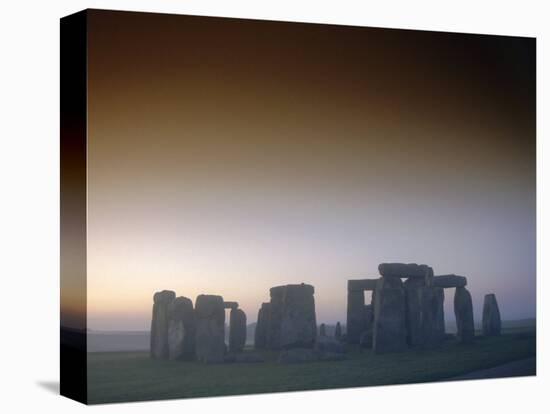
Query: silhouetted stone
{"type": "Point", "coordinates": [390, 333]}
{"type": "Point", "coordinates": [262, 326]}
{"type": "Point", "coordinates": [366, 339]}
{"type": "Point", "coordinates": [275, 317]}
{"type": "Point", "coordinates": [210, 327]}
{"type": "Point", "coordinates": [230, 305]}
{"type": "Point", "coordinates": [438, 313]}
{"type": "Point", "coordinates": [491, 322]}
{"type": "Point", "coordinates": [464, 314]}
{"type": "Point", "coordinates": [237, 330]}
{"type": "Point", "coordinates": [322, 330]}
{"type": "Point", "coordinates": [403, 270]}
{"type": "Point", "coordinates": [329, 344]}
{"type": "Point", "coordinates": [181, 329]}
{"type": "Point", "coordinates": [356, 322]}
{"type": "Point", "coordinates": [449, 281]}
{"type": "Point", "coordinates": [298, 323]}
{"type": "Point", "coordinates": [159, 324]}
{"type": "Point", "coordinates": [338, 331]}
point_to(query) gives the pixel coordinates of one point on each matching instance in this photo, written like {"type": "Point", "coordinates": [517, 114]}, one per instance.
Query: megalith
{"type": "Point", "coordinates": [365, 340]}
{"type": "Point", "coordinates": [181, 329]}
{"type": "Point", "coordinates": [322, 330]}
{"type": "Point", "coordinates": [438, 300]}
{"type": "Point", "coordinates": [159, 324]}
{"type": "Point", "coordinates": [338, 331]}
{"type": "Point", "coordinates": [210, 328]}
{"type": "Point", "coordinates": [390, 333]}
{"type": "Point", "coordinates": [298, 322]}
{"type": "Point", "coordinates": [237, 330]}
{"type": "Point", "coordinates": [356, 323]}
{"type": "Point", "coordinates": [464, 315]}
{"type": "Point", "coordinates": [449, 281]}
{"type": "Point", "coordinates": [260, 334]}
{"type": "Point", "coordinates": [491, 323]}
{"type": "Point", "coordinates": [275, 317]}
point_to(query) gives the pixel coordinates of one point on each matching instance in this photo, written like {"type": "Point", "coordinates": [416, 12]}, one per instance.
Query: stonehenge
{"type": "Point", "coordinates": [406, 310]}
{"type": "Point", "coordinates": [181, 332]}
{"type": "Point", "coordinates": [407, 314]}
{"type": "Point", "coordinates": [288, 320]}
{"type": "Point", "coordinates": [237, 330]}
{"type": "Point", "coordinates": [464, 315]}
{"type": "Point", "coordinates": [159, 324]}
{"type": "Point", "coordinates": [260, 334]}
{"type": "Point", "coordinates": [491, 316]}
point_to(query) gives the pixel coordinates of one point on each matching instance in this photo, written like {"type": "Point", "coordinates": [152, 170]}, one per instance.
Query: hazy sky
{"type": "Point", "coordinates": [228, 156]}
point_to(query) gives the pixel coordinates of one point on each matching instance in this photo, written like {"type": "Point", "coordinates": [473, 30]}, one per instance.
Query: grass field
{"type": "Point", "coordinates": [133, 376]}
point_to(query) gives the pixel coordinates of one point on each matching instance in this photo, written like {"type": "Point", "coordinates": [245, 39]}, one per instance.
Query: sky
{"type": "Point", "coordinates": [229, 156]}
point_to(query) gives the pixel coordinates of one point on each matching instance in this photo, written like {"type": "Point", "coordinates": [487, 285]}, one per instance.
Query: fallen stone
{"type": "Point", "coordinates": [329, 344]}
{"type": "Point", "coordinates": [210, 328]}
{"type": "Point", "coordinates": [159, 324]}
{"type": "Point", "coordinates": [491, 323]}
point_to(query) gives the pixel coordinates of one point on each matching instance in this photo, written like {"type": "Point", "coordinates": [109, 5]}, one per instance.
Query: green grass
{"type": "Point", "coordinates": [133, 376]}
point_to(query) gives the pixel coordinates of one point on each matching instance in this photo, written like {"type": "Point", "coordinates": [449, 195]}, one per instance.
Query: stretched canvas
{"type": "Point", "coordinates": [257, 206]}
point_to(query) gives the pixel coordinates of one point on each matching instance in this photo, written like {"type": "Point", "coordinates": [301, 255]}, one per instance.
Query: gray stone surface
{"type": "Point", "coordinates": [181, 329]}
{"type": "Point", "coordinates": [275, 317]}
{"type": "Point", "coordinates": [464, 314]}
{"type": "Point", "coordinates": [449, 281]}
{"type": "Point", "coordinates": [210, 328]}
{"type": "Point", "coordinates": [338, 331]}
{"type": "Point", "coordinates": [298, 323]}
{"type": "Point", "coordinates": [491, 323]}
{"type": "Point", "coordinates": [262, 326]}
{"type": "Point", "coordinates": [366, 339]}
{"type": "Point", "coordinates": [159, 324]}
{"type": "Point", "coordinates": [237, 330]}
{"type": "Point", "coordinates": [362, 284]}
{"type": "Point", "coordinates": [439, 314]}
{"type": "Point", "coordinates": [390, 333]}
{"type": "Point", "coordinates": [404, 270]}
{"type": "Point", "coordinates": [322, 330]}
{"type": "Point", "coordinates": [355, 316]}
{"type": "Point", "coordinates": [230, 305]}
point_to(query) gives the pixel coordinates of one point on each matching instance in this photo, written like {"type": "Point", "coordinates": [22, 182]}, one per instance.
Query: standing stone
{"type": "Point", "coordinates": [298, 323]}
{"type": "Point", "coordinates": [237, 330]}
{"type": "Point", "coordinates": [366, 337]}
{"type": "Point", "coordinates": [491, 322]}
{"type": "Point", "coordinates": [355, 320]}
{"type": "Point", "coordinates": [438, 301]}
{"type": "Point", "coordinates": [275, 317]}
{"type": "Point", "coordinates": [159, 324]}
{"type": "Point", "coordinates": [338, 331]}
{"type": "Point", "coordinates": [260, 334]}
{"type": "Point", "coordinates": [181, 329]}
{"type": "Point", "coordinates": [390, 333]}
{"type": "Point", "coordinates": [464, 314]}
{"type": "Point", "coordinates": [322, 330]}
{"type": "Point", "coordinates": [210, 328]}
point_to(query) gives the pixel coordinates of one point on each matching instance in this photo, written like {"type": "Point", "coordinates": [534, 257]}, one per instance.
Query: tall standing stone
{"type": "Point", "coordinates": [338, 331]}
{"type": "Point", "coordinates": [390, 334]}
{"type": "Point", "coordinates": [438, 313]}
{"type": "Point", "coordinates": [275, 317]}
{"type": "Point", "coordinates": [368, 328]}
{"type": "Point", "coordinates": [210, 328]}
{"type": "Point", "coordinates": [159, 324]}
{"type": "Point", "coordinates": [262, 326]}
{"type": "Point", "coordinates": [237, 330]}
{"type": "Point", "coordinates": [491, 323]}
{"type": "Point", "coordinates": [181, 329]}
{"type": "Point", "coordinates": [322, 330]}
{"type": "Point", "coordinates": [464, 314]}
{"type": "Point", "coordinates": [356, 323]}
{"type": "Point", "coordinates": [298, 323]}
